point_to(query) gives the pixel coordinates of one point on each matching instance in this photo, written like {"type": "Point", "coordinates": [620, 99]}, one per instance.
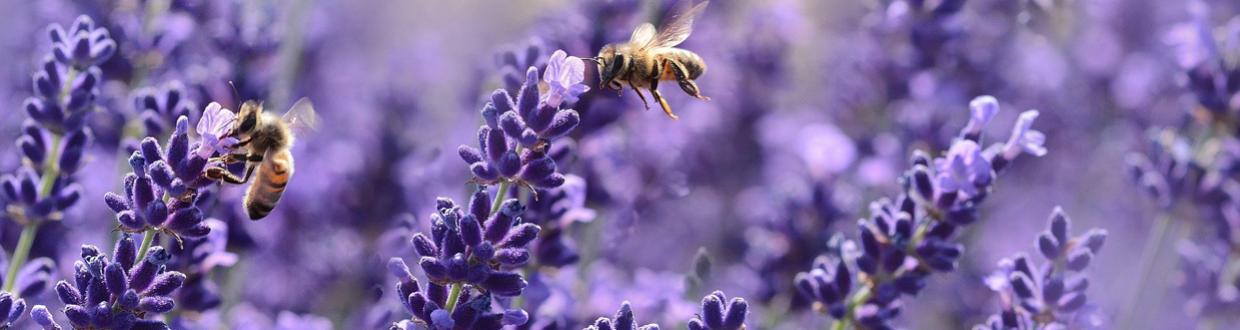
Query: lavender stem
{"type": "Point", "coordinates": [1158, 237]}
{"type": "Point", "coordinates": [147, 239]}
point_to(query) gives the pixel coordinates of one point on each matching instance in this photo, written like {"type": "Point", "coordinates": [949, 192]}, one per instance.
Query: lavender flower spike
{"type": "Point", "coordinates": [119, 293]}
{"type": "Point", "coordinates": [1052, 295]}
{"type": "Point", "coordinates": [624, 320]}
{"type": "Point", "coordinates": [716, 316]}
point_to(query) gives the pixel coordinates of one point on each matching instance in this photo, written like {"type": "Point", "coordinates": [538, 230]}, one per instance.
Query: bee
{"type": "Point", "coordinates": [651, 56]}
{"type": "Point", "coordinates": [266, 141]}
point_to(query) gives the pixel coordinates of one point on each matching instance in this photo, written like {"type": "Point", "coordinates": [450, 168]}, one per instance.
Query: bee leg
{"type": "Point", "coordinates": [639, 94]}
{"type": "Point", "coordinates": [686, 84]}
{"type": "Point", "coordinates": [220, 173]}
{"type": "Point", "coordinates": [654, 90]}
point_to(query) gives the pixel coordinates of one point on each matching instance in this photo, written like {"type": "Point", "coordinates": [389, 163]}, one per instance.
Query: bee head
{"type": "Point", "coordinates": [247, 119]}
{"type": "Point", "coordinates": [610, 64]}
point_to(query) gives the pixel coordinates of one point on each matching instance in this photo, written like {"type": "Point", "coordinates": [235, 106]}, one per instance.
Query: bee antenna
{"type": "Point", "coordinates": [593, 59]}
{"type": "Point", "coordinates": [236, 95]}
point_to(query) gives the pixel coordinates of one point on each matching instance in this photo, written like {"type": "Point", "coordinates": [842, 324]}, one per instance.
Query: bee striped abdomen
{"type": "Point", "coordinates": [690, 62]}
{"type": "Point", "coordinates": [269, 183]}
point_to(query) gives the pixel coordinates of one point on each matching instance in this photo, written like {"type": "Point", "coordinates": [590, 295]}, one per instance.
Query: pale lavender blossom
{"type": "Point", "coordinates": [563, 76]}
{"type": "Point", "coordinates": [1024, 138]}
{"type": "Point", "coordinates": [213, 128]}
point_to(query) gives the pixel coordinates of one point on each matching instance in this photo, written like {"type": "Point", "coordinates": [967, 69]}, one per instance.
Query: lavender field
{"type": "Point", "coordinates": [835, 164]}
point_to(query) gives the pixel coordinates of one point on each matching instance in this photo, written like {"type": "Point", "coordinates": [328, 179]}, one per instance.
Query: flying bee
{"type": "Point", "coordinates": [649, 57]}
{"type": "Point", "coordinates": [265, 143]}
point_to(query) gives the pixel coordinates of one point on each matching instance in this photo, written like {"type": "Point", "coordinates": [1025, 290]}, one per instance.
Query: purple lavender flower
{"type": "Point", "coordinates": [624, 320]}
{"type": "Point", "coordinates": [716, 315]}
{"type": "Point", "coordinates": [158, 109]}
{"type": "Point", "coordinates": [118, 293]}
{"type": "Point", "coordinates": [1049, 296]}
{"type": "Point", "coordinates": [83, 45]}
{"type": "Point", "coordinates": [563, 76]}
{"type": "Point", "coordinates": [468, 254]}
{"type": "Point", "coordinates": [906, 239]}
{"type": "Point", "coordinates": [53, 142]}
{"type": "Point", "coordinates": [162, 191]}
{"type": "Point", "coordinates": [514, 142]}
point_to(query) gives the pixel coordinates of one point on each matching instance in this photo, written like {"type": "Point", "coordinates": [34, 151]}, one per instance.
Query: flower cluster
{"type": "Point", "coordinates": [161, 193]}
{"type": "Point", "coordinates": [716, 315]}
{"type": "Point", "coordinates": [117, 293]}
{"type": "Point", "coordinates": [470, 250]}
{"type": "Point", "coordinates": [624, 320]}
{"type": "Point", "coordinates": [1051, 295]}
{"type": "Point", "coordinates": [159, 108]}
{"type": "Point", "coordinates": [910, 237]}
{"type": "Point", "coordinates": [513, 145]}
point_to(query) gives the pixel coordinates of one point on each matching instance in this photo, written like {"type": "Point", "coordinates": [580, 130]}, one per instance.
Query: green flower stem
{"type": "Point", "coordinates": [147, 239]}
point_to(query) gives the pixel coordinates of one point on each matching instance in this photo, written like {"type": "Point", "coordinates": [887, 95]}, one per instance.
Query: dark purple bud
{"type": "Point", "coordinates": [43, 317]}
{"type": "Point", "coordinates": [469, 154]}
{"type": "Point", "coordinates": [1094, 239]}
{"type": "Point", "coordinates": [712, 311]}
{"type": "Point", "coordinates": [735, 318]}
{"type": "Point", "coordinates": [151, 152]}
{"type": "Point", "coordinates": [156, 213]}
{"type": "Point", "coordinates": [142, 274]}
{"type": "Point", "coordinates": [538, 169]}
{"type": "Point", "coordinates": [696, 324]}
{"type": "Point", "coordinates": [78, 316]}
{"type": "Point", "coordinates": [434, 269]}
{"type": "Point", "coordinates": [541, 118]}
{"type": "Point", "coordinates": [156, 304]}
{"type": "Point", "coordinates": [504, 284]}
{"type": "Point", "coordinates": [550, 182]}
{"type": "Point", "coordinates": [527, 100]}
{"type": "Point", "coordinates": [31, 150]}
{"type": "Point", "coordinates": [513, 257]}
{"type": "Point", "coordinates": [512, 124]}
{"type": "Point", "coordinates": [521, 235]}
{"type": "Point", "coordinates": [1021, 285]}
{"type": "Point", "coordinates": [480, 204]}
{"type": "Point", "coordinates": [484, 171]}
{"type": "Point", "coordinates": [471, 230]}
{"type": "Point", "coordinates": [501, 101]}
{"type": "Point", "coordinates": [165, 284]}
{"type": "Point", "coordinates": [1079, 259]}
{"type": "Point", "coordinates": [563, 123]}
{"type": "Point", "coordinates": [1059, 225]}
{"type": "Point", "coordinates": [115, 278]}
{"type": "Point", "coordinates": [509, 164]}
{"type": "Point", "coordinates": [423, 246]}
{"type": "Point", "coordinates": [129, 300]}
{"type": "Point", "coordinates": [1052, 290]}
{"type": "Point", "coordinates": [185, 218]}
{"type": "Point", "coordinates": [68, 294]}
{"type": "Point", "coordinates": [458, 267]}
{"type": "Point", "coordinates": [496, 144]}
{"type": "Point", "coordinates": [130, 220]}
{"type": "Point", "coordinates": [1048, 246]}
{"type": "Point", "coordinates": [124, 252]}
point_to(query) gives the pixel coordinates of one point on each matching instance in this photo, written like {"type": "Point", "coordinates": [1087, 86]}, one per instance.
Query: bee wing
{"type": "Point", "coordinates": [679, 25]}
{"type": "Point", "coordinates": [643, 36]}
{"type": "Point", "coordinates": [301, 117]}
